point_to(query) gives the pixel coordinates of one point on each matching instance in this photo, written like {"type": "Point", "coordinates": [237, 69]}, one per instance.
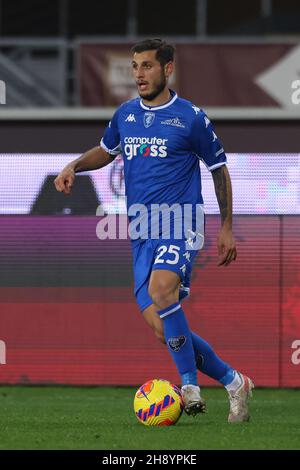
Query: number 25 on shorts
{"type": "Point", "coordinates": [173, 250]}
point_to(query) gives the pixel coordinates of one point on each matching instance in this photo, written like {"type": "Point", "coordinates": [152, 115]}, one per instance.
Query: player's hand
{"type": "Point", "coordinates": [65, 180]}
{"type": "Point", "coordinates": [226, 247]}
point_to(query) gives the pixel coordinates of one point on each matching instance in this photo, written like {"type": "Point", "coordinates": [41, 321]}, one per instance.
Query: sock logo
{"type": "Point", "coordinates": [176, 342]}
{"type": "Point", "coordinates": [199, 361]}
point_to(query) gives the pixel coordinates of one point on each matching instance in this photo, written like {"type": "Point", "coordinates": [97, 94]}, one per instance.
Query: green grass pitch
{"type": "Point", "coordinates": [103, 418]}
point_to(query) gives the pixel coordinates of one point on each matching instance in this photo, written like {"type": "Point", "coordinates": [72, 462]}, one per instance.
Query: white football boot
{"type": "Point", "coordinates": [239, 401]}
{"type": "Point", "coordinates": [193, 402]}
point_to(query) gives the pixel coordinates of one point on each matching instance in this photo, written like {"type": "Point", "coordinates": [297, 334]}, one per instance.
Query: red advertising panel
{"type": "Point", "coordinates": [290, 323]}
{"type": "Point", "coordinates": [68, 313]}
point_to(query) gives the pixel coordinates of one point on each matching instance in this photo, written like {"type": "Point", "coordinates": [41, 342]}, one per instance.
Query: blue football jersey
{"type": "Point", "coordinates": [161, 148]}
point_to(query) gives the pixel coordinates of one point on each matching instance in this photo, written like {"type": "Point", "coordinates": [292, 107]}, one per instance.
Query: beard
{"type": "Point", "coordinates": [158, 88]}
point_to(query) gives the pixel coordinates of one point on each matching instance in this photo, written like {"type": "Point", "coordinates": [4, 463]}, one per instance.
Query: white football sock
{"type": "Point", "coordinates": [235, 384]}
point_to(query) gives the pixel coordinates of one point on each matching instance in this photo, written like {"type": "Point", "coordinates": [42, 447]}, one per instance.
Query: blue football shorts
{"type": "Point", "coordinates": [150, 255]}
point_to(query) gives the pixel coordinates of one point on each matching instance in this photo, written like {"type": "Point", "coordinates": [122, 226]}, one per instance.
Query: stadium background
{"type": "Point", "coordinates": [68, 315]}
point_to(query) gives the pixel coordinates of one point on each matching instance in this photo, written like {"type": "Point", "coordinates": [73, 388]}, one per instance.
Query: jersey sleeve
{"type": "Point", "coordinates": [111, 138]}
{"type": "Point", "coordinates": [205, 143]}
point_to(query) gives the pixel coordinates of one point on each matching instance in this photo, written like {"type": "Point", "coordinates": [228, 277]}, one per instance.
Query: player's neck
{"type": "Point", "coordinates": [160, 99]}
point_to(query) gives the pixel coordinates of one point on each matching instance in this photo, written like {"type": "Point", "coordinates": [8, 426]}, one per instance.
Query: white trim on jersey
{"type": "Point", "coordinates": [185, 289]}
{"type": "Point", "coordinates": [156, 108]}
{"type": "Point", "coordinates": [210, 168]}
{"type": "Point", "coordinates": [219, 152]}
{"type": "Point", "coordinates": [115, 151]}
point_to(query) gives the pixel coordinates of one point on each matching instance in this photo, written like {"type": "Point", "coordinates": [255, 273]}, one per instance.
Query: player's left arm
{"type": "Point", "coordinates": [226, 243]}
{"type": "Point", "coordinates": [209, 149]}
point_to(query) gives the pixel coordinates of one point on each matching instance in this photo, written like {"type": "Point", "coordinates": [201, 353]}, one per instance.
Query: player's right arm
{"type": "Point", "coordinates": [93, 159]}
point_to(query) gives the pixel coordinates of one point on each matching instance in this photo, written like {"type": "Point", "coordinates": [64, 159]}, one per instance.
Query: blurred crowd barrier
{"type": "Point", "coordinates": [218, 74]}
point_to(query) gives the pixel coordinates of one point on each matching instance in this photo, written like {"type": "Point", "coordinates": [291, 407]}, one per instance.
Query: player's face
{"type": "Point", "coordinates": [151, 78]}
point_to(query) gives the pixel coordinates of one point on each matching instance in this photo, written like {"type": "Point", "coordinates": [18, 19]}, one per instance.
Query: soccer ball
{"type": "Point", "coordinates": [158, 403]}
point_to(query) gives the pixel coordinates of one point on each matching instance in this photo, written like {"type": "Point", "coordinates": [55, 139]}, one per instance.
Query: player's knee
{"type": "Point", "coordinates": [162, 296]}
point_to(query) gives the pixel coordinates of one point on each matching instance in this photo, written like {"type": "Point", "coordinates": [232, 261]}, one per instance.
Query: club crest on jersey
{"type": "Point", "coordinates": [149, 119]}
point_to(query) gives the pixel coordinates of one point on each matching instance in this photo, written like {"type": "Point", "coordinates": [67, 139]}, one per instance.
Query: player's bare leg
{"type": "Point", "coordinates": [163, 288]}
{"type": "Point", "coordinates": [164, 291]}
{"type": "Point", "coordinates": [153, 320]}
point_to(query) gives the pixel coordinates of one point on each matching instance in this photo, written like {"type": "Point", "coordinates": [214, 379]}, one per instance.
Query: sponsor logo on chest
{"type": "Point", "coordinates": [145, 147]}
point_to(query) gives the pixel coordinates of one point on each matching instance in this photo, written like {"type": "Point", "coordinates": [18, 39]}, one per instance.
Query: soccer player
{"type": "Point", "coordinates": [162, 137]}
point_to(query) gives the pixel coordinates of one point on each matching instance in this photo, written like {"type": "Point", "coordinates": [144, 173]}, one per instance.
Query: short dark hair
{"type": "Point", "coordinates": [164, 51]}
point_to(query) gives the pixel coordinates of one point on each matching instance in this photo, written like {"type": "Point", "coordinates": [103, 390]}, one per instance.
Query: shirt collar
{"type": "Point", "coordinates": [174, 97]}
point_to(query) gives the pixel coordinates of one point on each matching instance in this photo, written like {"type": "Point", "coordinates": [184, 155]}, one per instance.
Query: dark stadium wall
{"type": "Point", "coordinates": [270, 136]}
